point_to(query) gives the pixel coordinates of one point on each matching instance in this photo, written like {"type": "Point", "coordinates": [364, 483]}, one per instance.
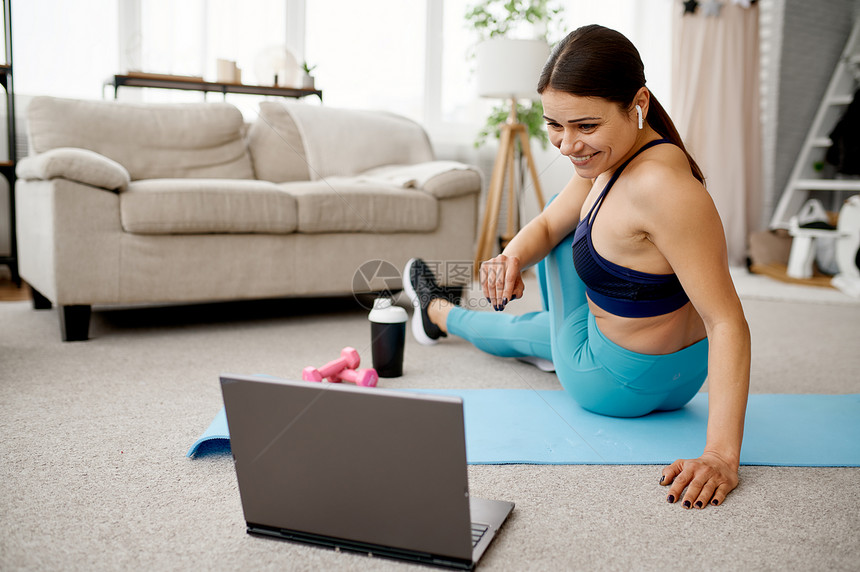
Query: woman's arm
{"type": "Point", "coordinates": [683, 223]}
{"type": "Point", "coordinates": [501, 276]}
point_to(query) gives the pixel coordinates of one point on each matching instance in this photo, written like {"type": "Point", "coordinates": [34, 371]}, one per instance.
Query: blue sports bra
{"type": "Point", "coordinates": [618, 290]}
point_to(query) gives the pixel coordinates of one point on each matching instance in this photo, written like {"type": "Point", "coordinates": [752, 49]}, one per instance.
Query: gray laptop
{"type": "Point", "coordinates": [367, 470]}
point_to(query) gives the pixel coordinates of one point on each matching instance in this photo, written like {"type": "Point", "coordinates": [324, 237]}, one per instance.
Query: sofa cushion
{"type": "Point", "coordinates": [345, 142]}
{"type": "Point", "coordinates": [199, 206]}
{"type": "Point", "coordinates": [342, 204]}
{"type": "Point", "coordinates": [276, 147]}
{"type": "Point", "coordinates": [152, 141]}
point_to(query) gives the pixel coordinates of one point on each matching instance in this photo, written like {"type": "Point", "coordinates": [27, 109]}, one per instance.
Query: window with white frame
{"type": "Point", "coordinates": [172, 38]}
{"type": "Point", "coordinates": [63, 49]}
{"type": "Point", "coordinates": [187, 38]}
{"type": "Point", "coordinates": [369, 55]}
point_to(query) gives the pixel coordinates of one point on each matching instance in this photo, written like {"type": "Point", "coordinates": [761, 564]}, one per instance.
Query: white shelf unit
{"type": "Point", "coordinates": [804, 176]}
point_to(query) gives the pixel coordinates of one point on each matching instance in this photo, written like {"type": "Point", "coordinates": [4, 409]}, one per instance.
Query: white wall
{"type": "Point", "coordinates": [64, 48]}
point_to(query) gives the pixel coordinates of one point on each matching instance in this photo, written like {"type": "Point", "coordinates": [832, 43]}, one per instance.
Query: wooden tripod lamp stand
{"type": "Point", "coordinates": [507, 69]}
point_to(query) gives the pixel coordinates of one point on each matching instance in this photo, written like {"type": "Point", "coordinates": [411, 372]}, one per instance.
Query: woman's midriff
{"type": "Point", "coordinates": [657, 335]}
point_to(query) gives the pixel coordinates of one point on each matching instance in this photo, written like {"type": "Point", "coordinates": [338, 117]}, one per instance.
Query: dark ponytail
{"type": "Point", "coordinates": [593, 61]}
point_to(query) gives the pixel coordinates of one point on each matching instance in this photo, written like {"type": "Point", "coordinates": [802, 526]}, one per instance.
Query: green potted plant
{"type": "Point", "coordinates": [507, 18]}
{"type": "Point", "coordinates": [307, 78]}
{"type": "Point", "coordinates": [492, 18]}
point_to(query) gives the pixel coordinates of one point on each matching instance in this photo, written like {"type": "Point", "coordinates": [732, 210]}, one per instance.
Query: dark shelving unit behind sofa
{"type": "Point", "coordinates": [7, 167]}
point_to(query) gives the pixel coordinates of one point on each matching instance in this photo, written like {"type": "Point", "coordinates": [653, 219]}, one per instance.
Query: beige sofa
{"type": "Point", "coordinates": [121, 203]}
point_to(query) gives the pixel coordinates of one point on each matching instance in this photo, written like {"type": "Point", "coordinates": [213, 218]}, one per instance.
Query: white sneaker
{"type": "Point", "coordinates": [540, 363]}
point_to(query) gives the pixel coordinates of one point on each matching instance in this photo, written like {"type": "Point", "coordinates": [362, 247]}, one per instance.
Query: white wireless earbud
{"type": "Point", "coordinates": [639, 112]}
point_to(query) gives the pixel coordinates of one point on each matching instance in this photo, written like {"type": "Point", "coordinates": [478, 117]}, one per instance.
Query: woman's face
{"type": "Point", "coordinates": [594, 133]}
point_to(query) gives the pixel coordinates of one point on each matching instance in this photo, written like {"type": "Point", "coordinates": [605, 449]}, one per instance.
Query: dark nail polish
{"type": "Point", "coordinates": [715, 502]}
{"type": "Point", "coordinates": [504, 302]}
{"type": "Point", "coordinates": [699, 504]}
{"type": "Point", "coordinates": [670, 499]}
{"type": "Point", "coordinates": [514, 297]}
{"type": "Point", "coordinates": [488, 300]}
{"type": "Point", "coordinates": [687, 504]}
{"type": "Point", "coordinates": [662, 478]}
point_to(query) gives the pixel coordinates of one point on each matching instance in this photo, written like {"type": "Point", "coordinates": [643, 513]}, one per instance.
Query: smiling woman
{"type": "Point", "coordinates": [581, 67]}
{"type": "Point", "coordinates": [640, 305]}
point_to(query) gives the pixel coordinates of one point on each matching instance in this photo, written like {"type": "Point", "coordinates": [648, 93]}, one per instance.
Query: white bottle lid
{"type": "Point", "coordinates": [385, 312]}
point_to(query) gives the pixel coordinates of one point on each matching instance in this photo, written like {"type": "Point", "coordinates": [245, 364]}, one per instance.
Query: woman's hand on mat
{"type": "Point", "coordinates": [502, 280]}
{"type": "Point", "coordinates": [707, 479]}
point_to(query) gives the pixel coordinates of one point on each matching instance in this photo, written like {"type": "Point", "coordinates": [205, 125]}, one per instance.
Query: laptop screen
{"type": "Point", "coordinates": [369, 465]}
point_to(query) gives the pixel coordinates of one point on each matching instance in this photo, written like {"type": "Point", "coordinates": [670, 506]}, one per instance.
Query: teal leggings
{"type": "Point", "coordinates": [600, 375]}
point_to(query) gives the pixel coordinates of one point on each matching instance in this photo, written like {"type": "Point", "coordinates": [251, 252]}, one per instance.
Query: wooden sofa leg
{"type": "Point", "coordinates": [75, 323]}
{"type": "Point", "coordinates": [39, 301]}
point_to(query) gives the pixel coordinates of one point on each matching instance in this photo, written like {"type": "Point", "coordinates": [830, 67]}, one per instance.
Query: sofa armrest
{"type": "Point", "coordinates": [81, 165]}
{"type": "Point", "coordinates": [442, 179]}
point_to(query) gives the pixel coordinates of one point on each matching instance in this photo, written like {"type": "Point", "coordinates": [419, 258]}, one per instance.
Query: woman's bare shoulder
{"type": "Point", "coordinates": [671, 203]}
{"type": "Point", "coordinates": [664, 178]}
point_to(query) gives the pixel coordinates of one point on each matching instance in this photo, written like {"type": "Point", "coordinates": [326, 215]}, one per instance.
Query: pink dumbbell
{"type": "Point", "coordinates": [348, 360]}
{"type": "Point", "coordinates": [363, 377]}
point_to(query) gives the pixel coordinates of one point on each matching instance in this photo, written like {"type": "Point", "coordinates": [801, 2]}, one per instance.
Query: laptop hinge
{"type": "Point", "coordinates": [361, 547]}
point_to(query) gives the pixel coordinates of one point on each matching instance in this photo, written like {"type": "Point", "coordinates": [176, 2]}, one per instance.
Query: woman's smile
{"type": "Point", "coordinates": [581, 160]}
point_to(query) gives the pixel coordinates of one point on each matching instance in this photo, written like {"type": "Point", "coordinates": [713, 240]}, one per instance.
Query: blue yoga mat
{"type": "Point", "coordinates": [506, 426]}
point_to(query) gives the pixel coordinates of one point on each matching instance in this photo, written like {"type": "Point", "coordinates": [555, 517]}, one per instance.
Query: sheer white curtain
{"type": "Point", "coordinates": [715, 95]}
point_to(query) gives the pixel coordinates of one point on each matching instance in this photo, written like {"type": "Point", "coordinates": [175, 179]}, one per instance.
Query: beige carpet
{"type": "Point", "coordinates": [94, 434]}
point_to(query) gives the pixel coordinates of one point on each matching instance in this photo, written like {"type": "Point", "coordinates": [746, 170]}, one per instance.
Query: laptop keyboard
{"type": "Point", "coordinates": [478, 531]}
